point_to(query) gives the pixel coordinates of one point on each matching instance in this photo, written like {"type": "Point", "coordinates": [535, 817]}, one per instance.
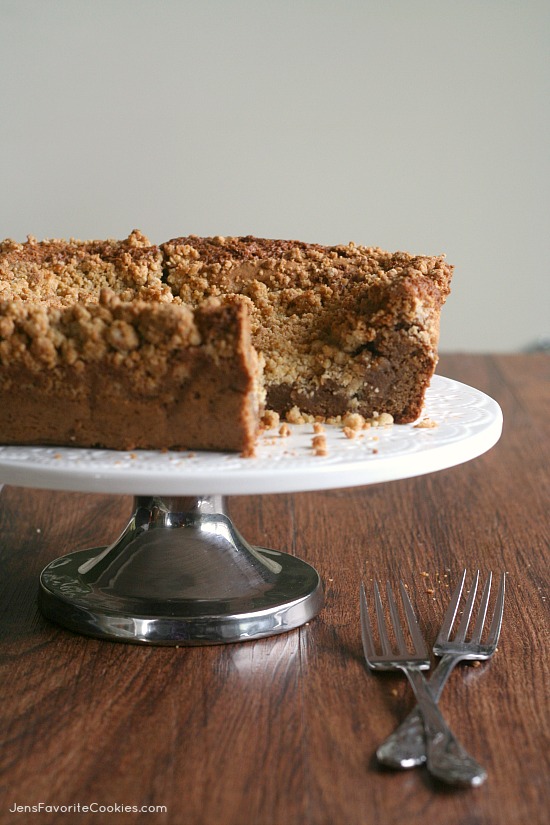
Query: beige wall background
{"type": "Point", "coordinates": [422, 126]}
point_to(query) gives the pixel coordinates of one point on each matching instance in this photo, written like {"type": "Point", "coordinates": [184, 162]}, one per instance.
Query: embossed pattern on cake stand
{"type": "Point", "coordinates": [181, 573]}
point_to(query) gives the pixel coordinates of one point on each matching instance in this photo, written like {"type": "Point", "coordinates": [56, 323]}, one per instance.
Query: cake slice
{"type": "Point", "coordinates": [128, 375]}
{"type": "Point", "coordinates": [341, 328]}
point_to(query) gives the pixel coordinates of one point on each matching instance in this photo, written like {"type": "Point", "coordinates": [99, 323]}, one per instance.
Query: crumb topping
{"type": "Point", "coordinates": [61, 273]}
{"type": "Point", "coordinates": [139, 332]}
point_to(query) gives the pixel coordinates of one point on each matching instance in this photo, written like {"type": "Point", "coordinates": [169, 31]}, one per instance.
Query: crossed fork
{"type": "Point", "coordinates": [424, 736]}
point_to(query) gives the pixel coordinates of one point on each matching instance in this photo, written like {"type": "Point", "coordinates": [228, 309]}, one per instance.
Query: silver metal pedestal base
{"type": "Point", "coordinates": [180, 574]}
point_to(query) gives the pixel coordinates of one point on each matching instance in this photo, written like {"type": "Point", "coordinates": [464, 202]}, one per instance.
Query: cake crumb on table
{"type": "Point", "coordinates": [284, 430]}
{"type": "Point", "coordinates": [353, 421]}
{"type": "Point", "coordinates": [270, 419]}
{"type": "Point", "coordinates": [379, 420]}
{"type": "Point", "coordinates": [296, 416]}
{"type": "Point", "coordinates": [319, 444]}
{"type": "Point", "coordinates": [426, 424]}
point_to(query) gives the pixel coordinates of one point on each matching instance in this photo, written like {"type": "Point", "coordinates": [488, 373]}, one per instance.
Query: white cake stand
{"type": "Point", "coordinates": [181, 573]}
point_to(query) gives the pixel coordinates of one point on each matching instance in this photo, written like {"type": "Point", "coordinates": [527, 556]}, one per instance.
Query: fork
{"type": "Point", "coordinates": [406, 747]}
{"type": "Point", "coordinates": [446, 758]}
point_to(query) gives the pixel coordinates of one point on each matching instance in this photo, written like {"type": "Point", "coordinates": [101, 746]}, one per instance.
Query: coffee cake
{"type": "Point", "coordinates": [125, 344]}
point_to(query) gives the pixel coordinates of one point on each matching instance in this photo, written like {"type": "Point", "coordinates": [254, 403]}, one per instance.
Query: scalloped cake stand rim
{"type": "Point", "coordinates": [467, 424]}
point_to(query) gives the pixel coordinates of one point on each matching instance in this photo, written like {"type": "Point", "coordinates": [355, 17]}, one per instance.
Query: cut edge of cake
{"type": "Point", "coordinates": [342, 328]}
{"type": "Point", "coordinates": [127, 376]}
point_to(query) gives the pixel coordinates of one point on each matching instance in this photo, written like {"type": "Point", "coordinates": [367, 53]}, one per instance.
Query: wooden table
{"type": "Point", "coordinates": [282, 731]}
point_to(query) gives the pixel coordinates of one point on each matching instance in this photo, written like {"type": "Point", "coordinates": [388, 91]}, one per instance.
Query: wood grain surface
{"type": "Point", "coordinates": [282, 731]}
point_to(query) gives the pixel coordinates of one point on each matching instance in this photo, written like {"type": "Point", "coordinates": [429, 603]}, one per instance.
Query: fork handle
{"type": "Point", "coordinates": [406, 746]}
{"type": "Point", "coordinates": [446, 758]}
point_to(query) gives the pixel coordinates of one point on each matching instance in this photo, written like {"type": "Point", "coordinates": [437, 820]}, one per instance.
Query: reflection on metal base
{"type": "Point", "coordinates": [180, 574]}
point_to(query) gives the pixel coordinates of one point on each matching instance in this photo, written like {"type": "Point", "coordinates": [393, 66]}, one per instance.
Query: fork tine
{"type": "Point", "coordinates": [478, 629]}
{"type": "Point", "coordinates": [401, 644]}
{"type": "Point", "coordinates": [382, 632]}
{"type": "Point", "coordinates": [467, 614]}
{"type": "Point", "coordinates": [416, 635]}
{"type": "Point", "coordinates": [450, 614]}
{"type": "Point", "coordinates": [494, 630]}
{"type": "Point", "coordinates": [366, 627]}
